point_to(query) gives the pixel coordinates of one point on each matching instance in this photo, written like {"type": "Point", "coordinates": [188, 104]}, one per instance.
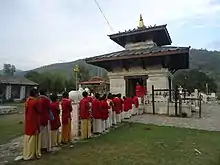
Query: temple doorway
{"type": "Point", "coordinates": [131, 82]}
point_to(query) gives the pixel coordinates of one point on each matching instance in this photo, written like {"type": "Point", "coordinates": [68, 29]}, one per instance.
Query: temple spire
{"type": "Point", "coordinates": [141, 22]}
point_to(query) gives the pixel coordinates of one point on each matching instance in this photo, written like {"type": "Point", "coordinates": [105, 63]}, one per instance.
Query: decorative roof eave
{"type": "Point", "coordinates": [133, 56]}
{"type": "Point", "coordinates": [137, 31]}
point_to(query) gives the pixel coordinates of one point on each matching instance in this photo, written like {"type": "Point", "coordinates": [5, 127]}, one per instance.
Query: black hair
{"type": "Point", "coordinates": [119, 95]}
{"type": "Point", "coordinates": [53, 97]}
{"type": "Point", "coordinates": [65, 95]}
{"type": "Point", "coordinates": [43, 91]}
{"type": "Point", "coordinates": [109, 96]}
{"type": "Point", "coordinates": [97, 95]}
{"type": "Point", "coordinates": [85, 94]}
{"type": "Point", "coordinates": [124, 97]}
{"type": "Point", "coordinates": [33, 92]}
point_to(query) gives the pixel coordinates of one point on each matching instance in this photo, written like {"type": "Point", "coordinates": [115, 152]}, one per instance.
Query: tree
{"type": "Point", "coordinates": [33, 76]}
{"type": "Point", "coordinates": [194, 79]}
{"type": "Point", "coordinates": [83, 73]}
{"type": "Point", "coordinates": [9, 69]}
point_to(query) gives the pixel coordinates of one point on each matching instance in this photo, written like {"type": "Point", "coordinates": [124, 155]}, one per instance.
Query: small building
{"type": "Point", "coordinates": [97, 84]}
{"type": "Point", "coordinates": [147, 58]}
{"type": "Point", "coordinates": [16, 88]}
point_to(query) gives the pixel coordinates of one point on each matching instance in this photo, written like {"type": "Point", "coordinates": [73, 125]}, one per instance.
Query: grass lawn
{"type": "Point", "coordinates": [135, 144]}
{"type": "Point", "coordinates": [10, 126]}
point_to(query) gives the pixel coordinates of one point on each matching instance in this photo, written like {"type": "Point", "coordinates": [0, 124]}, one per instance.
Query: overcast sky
{"type": "Point", "coordinates": [39, 32]}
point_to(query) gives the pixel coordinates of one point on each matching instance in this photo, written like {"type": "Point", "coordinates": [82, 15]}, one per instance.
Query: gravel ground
{"type": "Point", "coordinates": [209, 121]}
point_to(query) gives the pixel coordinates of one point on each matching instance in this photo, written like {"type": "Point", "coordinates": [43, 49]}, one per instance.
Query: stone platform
{"type": "Point", "coordinates": [4, 110]}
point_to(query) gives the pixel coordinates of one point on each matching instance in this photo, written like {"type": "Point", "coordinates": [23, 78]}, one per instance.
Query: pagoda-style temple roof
{"type": "Point", "coordinates": [139, 53]}
{"type": "Point", "coordinates": [171, 57]}
{"type": "Point", "coordinates": [94, 81]}
{"type": "Point", "coordinates": [159, 34]}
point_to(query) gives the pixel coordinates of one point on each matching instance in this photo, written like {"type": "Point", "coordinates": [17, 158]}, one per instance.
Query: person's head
{"type": "Point", "coordinates": [53, 97]}
{"type": "Point", "coordinates": [124, 97]}
{"type": "Point", "coordinates": [65, 95]}
{"type": "Point", "coordinates": [119, 95]}
{"type": "Point", "coordinates": [33, 92]}
{"type": "Point", "coordinates": [85, 94]}
{"type": "Point", "coordinates": [109, 96]}
{"type": "Point", "coordinates": [132, 96]}
{"type": "Point", "coordinates": [97, 95]}
{"type": "Point", "coordinates": [43, 91]}
{"type": "Point", "coordinates": [103, 97]}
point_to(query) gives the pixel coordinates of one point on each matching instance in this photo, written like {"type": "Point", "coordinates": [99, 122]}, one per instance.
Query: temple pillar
{"type": "Point", "coordinates": [22, 92]}
{"type": "Point", "coordinates": [8, 92]}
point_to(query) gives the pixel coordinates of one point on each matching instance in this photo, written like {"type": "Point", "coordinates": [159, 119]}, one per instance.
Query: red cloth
{"type": "Point", "coordinates": [32, 116]}
{"type": "Point", "coordinates": [117, 105]}
{"type": "Point", "coordinates": [126, 104]}
{"type": "Point", "coordinates": [44, 108]}
{"type": "Point", "coordinates": [55, 124]}
{"type": "Point", "coordinates": [121, 104]}
{"type": "Point", "coordinates": [84, 108]}
{"type": "Point", "coordinates": [138, 90]}
{"type": "Point", "coordinates": [89, 98]}
{"type": "Point", "coordinates": [66, 110]}
{"type": "Point", "coordinates": [96, 111]}
{"type": "Point", "coordinates": [136, 102]}
{"type": "Point", "coordinates": [104, 109]}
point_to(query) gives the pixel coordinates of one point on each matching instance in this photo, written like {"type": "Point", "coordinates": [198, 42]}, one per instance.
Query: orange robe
{"type": "Point", "coordinates": [66, 119]}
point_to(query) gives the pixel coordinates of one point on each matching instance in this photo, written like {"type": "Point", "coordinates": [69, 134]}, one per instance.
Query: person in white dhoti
{"type": "Point", "coordinates": [45, 117]}
{"type": "Point", "coordinates": [113, 112]}
{"type": "Point", "coordinates": [97, 115]}
{"type": "Point", "coordinates": [110, 104]}
{"type": "Point", "coordinates": [118, 108]}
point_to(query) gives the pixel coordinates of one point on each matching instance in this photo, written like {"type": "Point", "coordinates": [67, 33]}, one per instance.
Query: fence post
{"type": "Point", "coordinates": [200, 106]}
{"type": "Point", "coordinates": [176, 99]}
{"type": "Point", "coordinates": [153, 104]}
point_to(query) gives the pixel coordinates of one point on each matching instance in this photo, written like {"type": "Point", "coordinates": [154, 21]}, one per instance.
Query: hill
{"type": "Point", "coordinates": [204, 60]}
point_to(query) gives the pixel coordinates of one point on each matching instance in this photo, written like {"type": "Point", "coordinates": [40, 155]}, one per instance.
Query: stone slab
{"type": "Point", "coordinates": [4, 110]}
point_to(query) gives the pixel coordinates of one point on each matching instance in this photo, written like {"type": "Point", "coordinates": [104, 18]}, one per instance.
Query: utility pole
{"type": "Point", "coordinates": [76, 71]}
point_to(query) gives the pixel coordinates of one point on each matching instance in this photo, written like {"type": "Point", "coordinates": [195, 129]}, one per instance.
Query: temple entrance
{"type": "Point", "coordinates": [131, 82]}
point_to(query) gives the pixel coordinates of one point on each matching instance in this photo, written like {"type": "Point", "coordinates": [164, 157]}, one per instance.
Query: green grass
{"type": "Point", "coordinates": [135, 144]}
{"type": "Point", "coordinates": [10, 126]}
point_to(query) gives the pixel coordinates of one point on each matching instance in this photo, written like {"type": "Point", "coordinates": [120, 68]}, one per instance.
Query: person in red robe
{"type": "Point", "coordinates": [130, 101]}
{"type": "Point", "coordinates": [44, 108]}
{"type": "Point", "coordinates": [113, 111]}
{"type": "Point", "coordinates": [121, 106]}
{"type": "Point", "coordinates": [85, 117]}
{"type": "Point", "coordinates": [135, 105]}
{"type": "Point", "coordinates": [117, 108]}
{"type": "Point", "coordinates": [104, 110]}
{"type": "Point", "coordinates": [32, 144]}
{"type": "Point", "coordinates": [126, 107]}
{"type": "Point", "coordinates": [66, 118]}
{"type": "Point", "coordinates": [138, 90]}
{"type": "Point", "coordinates": [110, 109]}
{"type": "Point", "coordinates": [55, 124]}
{"type": "Point", "coordinates": [97, 115]}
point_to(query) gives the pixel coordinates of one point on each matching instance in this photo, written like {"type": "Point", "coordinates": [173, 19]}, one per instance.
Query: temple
{"type": "Point", "coordinates": [147, 58]}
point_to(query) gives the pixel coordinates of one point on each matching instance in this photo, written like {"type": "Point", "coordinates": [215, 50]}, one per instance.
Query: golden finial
{"type": "Point", "coordinates": [141, 22]}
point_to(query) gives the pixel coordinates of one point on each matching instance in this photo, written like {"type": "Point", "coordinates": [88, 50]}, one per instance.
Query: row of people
{"type": "Point", "coordinates": [44, 128]}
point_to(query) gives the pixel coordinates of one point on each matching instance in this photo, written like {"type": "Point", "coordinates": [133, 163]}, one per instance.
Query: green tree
{"type": "Point", "coordinates": [84, 74]}
{"type": "Point", "coordinates": [194, 79]}
{"type": "Point", "coordinates": [9, 69]}
{"type": "Point", "coordinates": [33, 76]}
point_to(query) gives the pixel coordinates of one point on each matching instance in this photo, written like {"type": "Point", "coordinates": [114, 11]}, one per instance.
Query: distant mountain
{"type": "Point", "coordinates": [206, 61]}
{"type": "Point", "coordinates": [67, 68]}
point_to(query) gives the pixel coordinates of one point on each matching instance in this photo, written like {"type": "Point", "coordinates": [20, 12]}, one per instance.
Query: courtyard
{"type": "Point", "coordinates": [145, 139]}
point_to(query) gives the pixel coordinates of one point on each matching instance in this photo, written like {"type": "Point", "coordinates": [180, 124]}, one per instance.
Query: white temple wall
{"type": "Point", "coordinates": [117, 84]}
{"type": "Point", "coordinates": [157, 77]}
